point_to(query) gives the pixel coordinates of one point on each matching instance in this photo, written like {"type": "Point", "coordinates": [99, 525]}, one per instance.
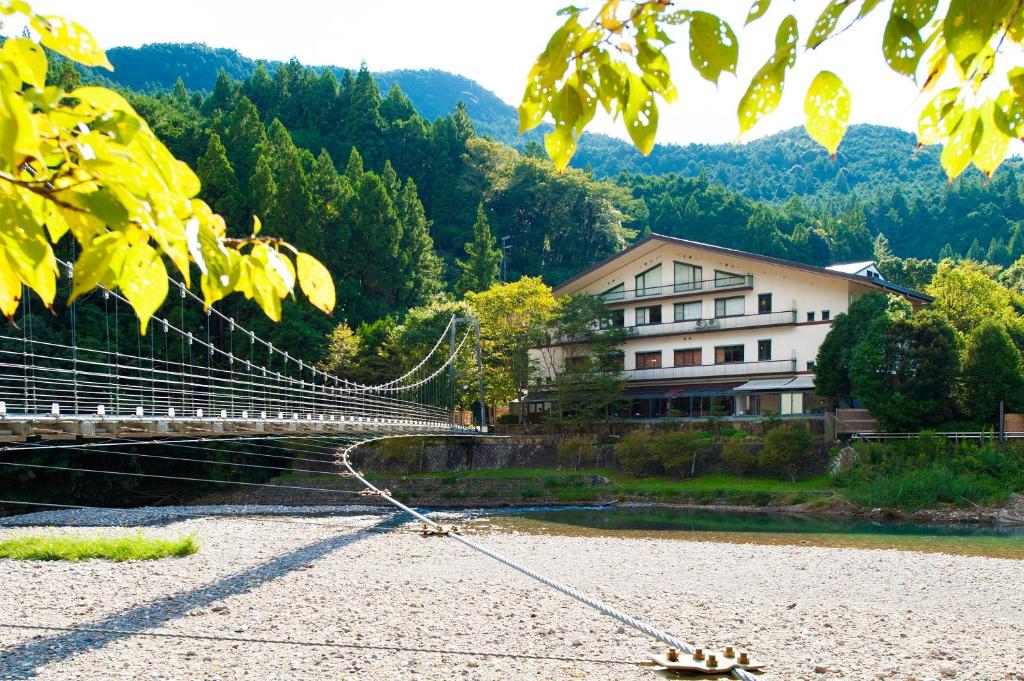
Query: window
{"type": "Point", "coordinates": [648, 315]}
{"type": "Point", "coordinates": [764, 303]}
{"type": "Point", "coordinates": [723, 278]}
{"type": "Point", "coordinates": [613, 319]}
{"type": "Point", "coordinates": [688, 277]}
{"type": "Point", "coordinates": [728, 354]}
{"type": "Point", "coordinates": [690, 357]}
{"type": "Point", "coordinates": [576, 363]}
{"type": "Point", "coordinates": [826, 315]}
{"type": "Point", "coordinates": [649, 283]}
{"type": "Point", "coordinates": [687, 311]}
{"type": "Point", "coordinates": [764, 350]}
{"type": "Point", "coordinates": [810, 316]}
{"type": "Point", "coordinates": [729, 307]}
{"type": "Point", "coordinates": [648, 360]}
{"type": "Point", "coordinates": [614, 293]}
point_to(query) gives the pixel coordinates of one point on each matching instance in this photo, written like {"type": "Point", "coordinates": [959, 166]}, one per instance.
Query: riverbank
{"type": "Point", "coordinates": [519, 487]}
{"type": "Point", "coordinates": [350, 596]}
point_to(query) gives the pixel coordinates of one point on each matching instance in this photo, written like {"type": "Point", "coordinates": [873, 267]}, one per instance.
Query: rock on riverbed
{"type": "Point", "coordinates": [364, 580]}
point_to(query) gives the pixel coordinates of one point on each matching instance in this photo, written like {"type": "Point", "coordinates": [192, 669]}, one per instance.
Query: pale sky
{"type": "Point", "coordinates": [494, 43]}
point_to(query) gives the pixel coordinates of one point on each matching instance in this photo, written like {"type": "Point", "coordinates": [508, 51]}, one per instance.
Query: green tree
{"type": "Point", "coordinates": [363, 125]}
{"type": "Point", "coordinates": [513, 318]}
{"type": "Point", "coordinates": [480, 268]}
{"type": "Point", "coordinates": [220, 186]}
{"type": "Point", "coordinates": [991, 372]}
{"type": "Point", "coordinates": [293, 198]}
{"type": "Point", "coordinates": [223, 93]}
{"type": "Point", "coordinates": [966, 295]}
{"type": "Point", "coordinates": [423, 270]}
{"type": "Point", "coordinates": [377, 229]}
{"type": "Point", "coordinates": [832, 365]}
{"type": "Point", "coordinates": [905, 368]}
{"type": "Point", "coordinates": [343, 347]}
{"type": "Point", "coordinates": [263, 188]}
{"type": "Point", "coordinates": [330, 192]}
{"type": "Point", "coordinates": [245, 136]}
{"type": "Point", "coordinates": [584, 356]}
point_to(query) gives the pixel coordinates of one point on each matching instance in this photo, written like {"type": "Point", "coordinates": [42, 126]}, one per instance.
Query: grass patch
{"type": "Point", "coordinates": [80, 547]}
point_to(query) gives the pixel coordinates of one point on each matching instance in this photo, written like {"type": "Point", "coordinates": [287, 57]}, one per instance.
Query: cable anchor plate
{"type": "Point", "coordinates": [710, 662]}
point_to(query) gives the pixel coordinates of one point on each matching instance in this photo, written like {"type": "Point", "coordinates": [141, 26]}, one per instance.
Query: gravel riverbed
{"type": "Point", "coordinates": [265, 577]}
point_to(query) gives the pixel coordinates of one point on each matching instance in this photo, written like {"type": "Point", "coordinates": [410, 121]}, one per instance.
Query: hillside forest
{"type": "Point", "coordinates": [406, 209]}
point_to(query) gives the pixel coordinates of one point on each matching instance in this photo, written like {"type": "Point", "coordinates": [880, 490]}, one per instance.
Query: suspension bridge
{"type": "Point", "coordinates": [201, 390]}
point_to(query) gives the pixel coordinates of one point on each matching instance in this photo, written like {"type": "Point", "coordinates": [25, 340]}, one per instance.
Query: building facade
{"type": "Point", "coordinates": [713, 330]}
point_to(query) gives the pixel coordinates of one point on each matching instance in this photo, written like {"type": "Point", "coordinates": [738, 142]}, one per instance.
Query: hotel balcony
{"type": "Point", "coordinates": [716, 324]}
{"type": "Point", "coordinates": [692, 288]}
{"type": "Point", "coordinates": [774, 366]}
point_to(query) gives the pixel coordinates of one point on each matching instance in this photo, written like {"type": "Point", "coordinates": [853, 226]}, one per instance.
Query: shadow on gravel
{"type": "Point", "coordinates": [23, 661]}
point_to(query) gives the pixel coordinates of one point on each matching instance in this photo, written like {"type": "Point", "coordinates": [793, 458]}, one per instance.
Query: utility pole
{"type": "Point", "coordinates": [505, 246]}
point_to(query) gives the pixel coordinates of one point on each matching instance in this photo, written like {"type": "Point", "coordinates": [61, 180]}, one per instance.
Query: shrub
{"type": "Point", "coordinates": [577, 452]}
{"type": "Point", "coordinates": [508, 419]}
{"type": "Point", "coordinates": [678, 450]}
{"type": "Point", "coordinates": [634, 454]}
{"type": "Point", "coordinates": [739, 458]}
{"type": "Point", "coordinates": [786, 450]}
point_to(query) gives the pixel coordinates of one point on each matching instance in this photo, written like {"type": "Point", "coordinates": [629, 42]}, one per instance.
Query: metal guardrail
{"type": "Point", "coordinates": [681, 288]}
{"type": "Point", "coordinates": [706, 370]}
{"type": "Point", "coordinates": [715, 323]}
{"type": "Point", "coordinates": [968, 436]}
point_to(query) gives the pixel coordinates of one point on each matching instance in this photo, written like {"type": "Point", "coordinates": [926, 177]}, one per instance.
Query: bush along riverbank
{"type": "Point", "coordinates": [785, 469]}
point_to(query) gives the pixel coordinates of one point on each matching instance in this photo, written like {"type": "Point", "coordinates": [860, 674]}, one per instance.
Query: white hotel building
{"type": "Point", "coordinates": [713, 329]}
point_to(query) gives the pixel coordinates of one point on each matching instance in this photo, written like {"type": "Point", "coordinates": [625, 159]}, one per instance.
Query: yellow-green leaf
{"type": "Point", "coordinates": [827, 108]}
{"type": "Point", "coordinates": [827, 21]}
{"type": "Point", "coordinates": [917, 12]}
{"type": "Point", "coordinates": [968, 26]}
{"type": "Point", "coordinates": [29, 58]}
{"type": "Point", "coordinates": [940, 117]}
{"type": "Point", "coordinates": [713, 46]}
{"type": "Point", "coordinates": [71, 40]}
{"type": "Point", "coordinates": [765, 90]}
{"type": "Point", "coordinates": [757, 10]}
{"type": "Point", "coordinates": [991, 148]}
{"type": "Point", "coordinates": [10, 287]}
{"type": "Point", "coordinates": [143, 281]}
{"type": "Point", "coordinates": [641, 115]}
{"type": "Point", "coordinates": [315, 281]}
{"type": "Point", "coordinates": [960, 146]}
{"type": "Point", "coordinates": [902, 46]}
{"type": "Point", "coordinates": [1008, 114]}
{"type": "Point", "coordinates": [99, 263]}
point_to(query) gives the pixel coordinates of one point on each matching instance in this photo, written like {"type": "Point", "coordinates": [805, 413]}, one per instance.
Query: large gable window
{"type": "Point", "coordinates": [614, 293]}
{"type": "Point", "coordinates": [688, 277]}
{"type": "Point", "coordinates": [724, 279]}
{"type": "Point", "coordinates": [649, 283]}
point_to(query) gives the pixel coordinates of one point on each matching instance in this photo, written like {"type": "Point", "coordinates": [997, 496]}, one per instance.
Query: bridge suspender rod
{"type": "Point", "coordinates": [586, 599]}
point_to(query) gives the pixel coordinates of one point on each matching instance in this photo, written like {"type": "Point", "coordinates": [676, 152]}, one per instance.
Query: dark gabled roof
{"type": "Point", "coordinates": [722, 250]}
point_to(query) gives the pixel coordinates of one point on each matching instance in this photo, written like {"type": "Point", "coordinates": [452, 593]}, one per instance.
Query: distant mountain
{"type": "Point", "coordinates": [773, 168]}
{"type": "Point", "coordinates": [434, 93]}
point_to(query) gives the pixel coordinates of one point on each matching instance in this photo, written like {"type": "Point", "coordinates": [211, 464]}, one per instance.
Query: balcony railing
{"type": "Point", "coordinates": [682, 289]}
{"type": "Point", "coordinates": [715, 324]}
{"type": "Point", "coordinates": [713, 370]}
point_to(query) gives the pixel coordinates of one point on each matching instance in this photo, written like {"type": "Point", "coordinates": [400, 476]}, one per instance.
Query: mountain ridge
{"type": "Point", "coordinates": [871, 159]}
